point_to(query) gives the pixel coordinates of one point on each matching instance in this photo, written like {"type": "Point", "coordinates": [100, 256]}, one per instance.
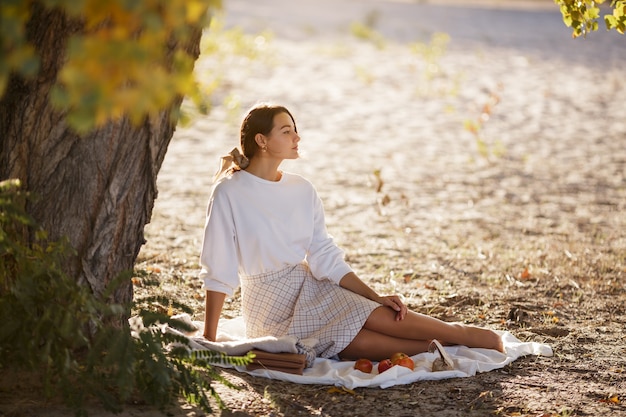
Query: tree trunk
{"type": "Point", "coordinates": [98, 190]}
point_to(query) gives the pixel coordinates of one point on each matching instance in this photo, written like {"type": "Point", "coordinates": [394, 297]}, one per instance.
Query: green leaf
{"type": "Point", "coordinates": [610, 22]}
{"type": "Point", "coordinates": [59, 97]}
{"type": "Point", "coordinates": [593, 13]}
{"type": "Point", "coordinates": [567, 19]}
{"type": "Point", "coordinates": [82, 122]}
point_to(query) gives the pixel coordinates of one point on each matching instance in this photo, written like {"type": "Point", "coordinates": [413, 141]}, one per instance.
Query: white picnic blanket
{"type": "Point", "coordinates": [468, 361]}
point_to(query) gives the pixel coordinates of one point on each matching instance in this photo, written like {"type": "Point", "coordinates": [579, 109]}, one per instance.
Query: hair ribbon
{"type": "Point", "coordinates": [233, 159]}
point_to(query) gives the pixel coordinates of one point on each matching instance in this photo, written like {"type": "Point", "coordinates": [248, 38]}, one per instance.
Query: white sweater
{"type": "Point", "coordinates": [255, 226]}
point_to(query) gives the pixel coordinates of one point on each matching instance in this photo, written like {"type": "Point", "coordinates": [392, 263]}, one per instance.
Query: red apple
{"type": "Point", "coordinates": [384, 365]}
{"type": "Point", "coordinates": [397, 356]}
{"type": "Point", "coordinates": [407, 362]}
{"type": "Point", "coordinates": [364, 365]}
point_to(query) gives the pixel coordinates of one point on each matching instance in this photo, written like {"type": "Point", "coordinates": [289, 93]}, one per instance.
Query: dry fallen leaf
{"type": "Point", "coordinates": [153, 269]}
{"type": "Point", "coordinates": [525, 275]}
{"type": "Point", "coordinates": [379, 180]}
{"type": "Point", "coordinates": [611, 399]}
{"type": "Point", "coordinates": [481, 399]}
{"type": "Point", "coordinates": [341, 390]}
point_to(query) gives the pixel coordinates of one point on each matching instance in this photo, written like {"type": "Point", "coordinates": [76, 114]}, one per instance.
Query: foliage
{"type": "Point", "coordinates": [582, 15]}
{"type": "Point", "coordinates": [434, 80]}
{"type": "Point", "coordinates": [365, 31]}
{"type": "Point", "coordinates": [431, 53]}
{"type": "Point", "coordinates": [223, 45]}
{"type": "Point", "coordinates": [122, 41]}
{"type": "Point", "coordinates": [222, 42]}
{"type": "Point", "coordinates": [58, 329]}
{"type": "Point", "coordinates": [476, 126]}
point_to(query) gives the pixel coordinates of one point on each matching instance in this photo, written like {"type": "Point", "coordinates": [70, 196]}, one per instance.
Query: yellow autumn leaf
{"type": "Point", "coordinates": [341, 390]}
{"type": "Point", "coordinates": [195, 9]}
{"type": "Point", "coordinates": [122, 46]}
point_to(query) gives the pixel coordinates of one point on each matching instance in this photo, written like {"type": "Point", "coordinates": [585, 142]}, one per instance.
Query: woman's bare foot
{"type": "Point", "coordinates": [491, 340]}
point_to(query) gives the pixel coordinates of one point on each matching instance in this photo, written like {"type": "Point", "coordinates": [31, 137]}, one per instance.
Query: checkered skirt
{"type": "Point", "coordinates": [292, 302]}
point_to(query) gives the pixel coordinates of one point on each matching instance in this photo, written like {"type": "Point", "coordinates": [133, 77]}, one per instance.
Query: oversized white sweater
{"type": "Point", "coordinates": [255, 226]}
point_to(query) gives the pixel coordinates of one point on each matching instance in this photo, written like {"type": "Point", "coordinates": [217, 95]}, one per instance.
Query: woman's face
{"type": "Point", "coordinates": [282, 141]}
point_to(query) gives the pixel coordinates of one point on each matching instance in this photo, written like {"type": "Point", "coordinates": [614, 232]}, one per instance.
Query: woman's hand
{"type": "Point", "coordinates": [353, 283]}
{"type": "Point", "coordinates": [394, 302]}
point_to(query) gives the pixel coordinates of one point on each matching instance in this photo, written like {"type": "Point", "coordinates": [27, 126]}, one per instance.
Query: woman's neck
{"type": "Point", "coordinates": [264, 169]}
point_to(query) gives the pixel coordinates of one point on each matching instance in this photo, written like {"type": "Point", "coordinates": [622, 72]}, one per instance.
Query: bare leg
{"type": "Point", "coordinates": [377, 346]}
{"type": "Point", "coordinates": [382, 335]}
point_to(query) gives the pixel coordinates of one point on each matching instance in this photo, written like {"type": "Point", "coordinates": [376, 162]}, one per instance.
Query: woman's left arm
{"type": "Point", "coordinates": [352, 282]}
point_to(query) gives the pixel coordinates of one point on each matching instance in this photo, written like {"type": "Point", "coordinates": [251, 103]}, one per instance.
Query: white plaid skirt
{"type": "Point", "coordinates": [292, 302]}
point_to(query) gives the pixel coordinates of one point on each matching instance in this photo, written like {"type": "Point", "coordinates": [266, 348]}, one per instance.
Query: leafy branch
{"type": "Point", "coordinates": [582, 15]}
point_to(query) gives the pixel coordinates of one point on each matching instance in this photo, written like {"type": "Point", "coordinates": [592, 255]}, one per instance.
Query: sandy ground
{"type": "Point", "coordinates": [518, 224]}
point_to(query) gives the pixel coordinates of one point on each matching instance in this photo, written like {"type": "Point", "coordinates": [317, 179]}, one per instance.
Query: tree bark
{"type": "Point", "coordinates": [98, 190]}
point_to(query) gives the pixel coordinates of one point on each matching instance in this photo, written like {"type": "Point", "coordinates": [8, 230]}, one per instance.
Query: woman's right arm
{"type": "Point", "coordinates": [213, 309]}
{"type": "Point", "coordinates": [218, 258]}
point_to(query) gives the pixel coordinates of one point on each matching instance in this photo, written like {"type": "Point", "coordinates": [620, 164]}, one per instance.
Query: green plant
{"type": "Point", "coordinates": [476, 126]}
{"type": "Point", "coordinates": [222, 45]}
{"type": "Point", "coordinates": [56, 328]}
{"type": "Point", "coordinates": [434, 79]}
{"type": "Point", "coordinates": [156, 365]}
{"type": "Point", "coordinates": [432, 53]}
{"type": "Point", "coordinates": [44, 313]}
{"type": "Point", "coordinates": [365, 31]}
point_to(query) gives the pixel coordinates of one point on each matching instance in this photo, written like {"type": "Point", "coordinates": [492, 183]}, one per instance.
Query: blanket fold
{"type": "Point", "coordinates": [292, 363]}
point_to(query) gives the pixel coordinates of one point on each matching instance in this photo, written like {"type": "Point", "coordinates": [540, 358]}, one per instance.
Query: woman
{"type": "Point", "coordinates": [265, 231]}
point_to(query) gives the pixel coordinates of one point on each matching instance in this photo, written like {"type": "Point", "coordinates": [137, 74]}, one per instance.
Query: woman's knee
{"type": "Point", "coordinates": [379, 318]}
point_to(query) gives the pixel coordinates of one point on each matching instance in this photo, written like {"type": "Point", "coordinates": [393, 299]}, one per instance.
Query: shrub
{"type": "Point", "coordinates": [53, 327]}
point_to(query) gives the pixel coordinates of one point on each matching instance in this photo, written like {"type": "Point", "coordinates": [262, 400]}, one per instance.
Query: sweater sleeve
{"type": "Point", "coordinates": [324, 257]}
{"type": "Point", "coordinates": [218, 257]}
